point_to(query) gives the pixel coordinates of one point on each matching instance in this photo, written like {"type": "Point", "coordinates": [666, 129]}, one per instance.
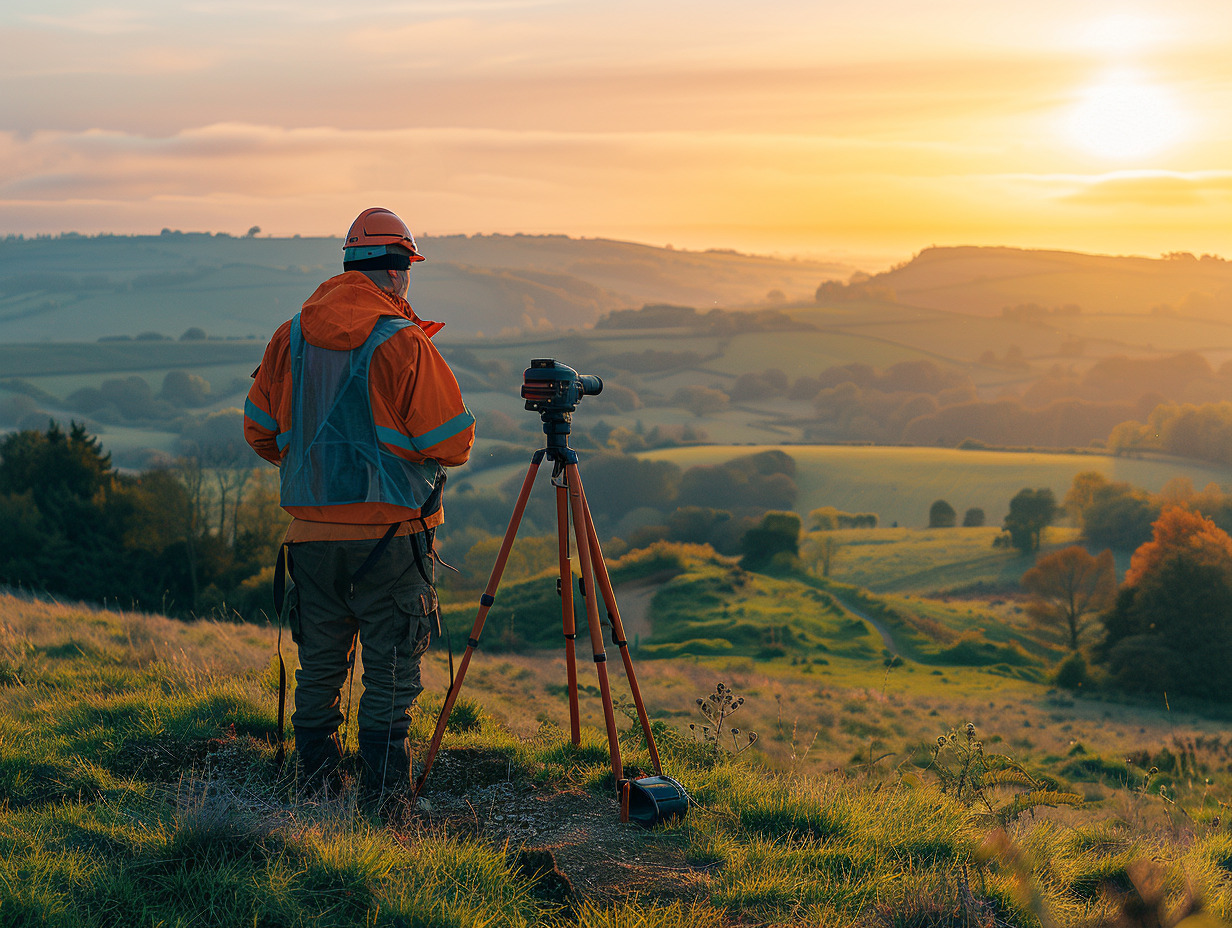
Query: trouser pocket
{"type": "Point", "coordinates": [295, 620]}
{"type": "Point", "coordinates": [418, 608]}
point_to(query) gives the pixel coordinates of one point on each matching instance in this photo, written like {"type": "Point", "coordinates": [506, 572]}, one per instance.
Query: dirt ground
{"type": "Point", "coordinates": [572, 841]}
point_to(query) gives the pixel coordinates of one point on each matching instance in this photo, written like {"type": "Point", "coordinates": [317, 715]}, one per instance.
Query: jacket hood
{"type": "Point", "coordinates": [341, 313]}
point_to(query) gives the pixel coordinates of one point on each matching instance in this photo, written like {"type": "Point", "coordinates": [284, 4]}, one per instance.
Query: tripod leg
{"type": "Point", "coordinates": [618, 633]}
{"type": "Point", "coordinates": [485, 603]}
{"type": "Point", "coordinates": [566, 610]}
{"type": "Point", "coordinates": [578, 504]}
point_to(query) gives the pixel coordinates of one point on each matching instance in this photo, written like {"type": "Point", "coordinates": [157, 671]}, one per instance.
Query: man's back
{"type": "Point", "coordinates": [361, 413]}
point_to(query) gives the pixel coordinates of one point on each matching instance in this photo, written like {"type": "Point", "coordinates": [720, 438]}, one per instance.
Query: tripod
{"type": "Point", "coordinates": [570, 500]}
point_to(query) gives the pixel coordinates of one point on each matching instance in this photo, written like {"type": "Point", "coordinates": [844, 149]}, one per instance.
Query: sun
{"type": "Point", "coordinates": [1125, 117]}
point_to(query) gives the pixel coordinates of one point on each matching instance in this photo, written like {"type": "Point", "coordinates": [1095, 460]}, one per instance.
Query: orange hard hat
{"type": "Point", "coordinates": [378, 227]}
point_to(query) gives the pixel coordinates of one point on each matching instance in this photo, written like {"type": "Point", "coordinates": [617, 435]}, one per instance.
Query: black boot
{"type": "Point", "coordinates": [318, 755]}
{"type": "Point", "coordinates": [386, 769]}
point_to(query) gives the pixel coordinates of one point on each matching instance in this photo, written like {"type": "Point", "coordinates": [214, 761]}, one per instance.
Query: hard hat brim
{"type": "Point", "coordinates": [367, 232]}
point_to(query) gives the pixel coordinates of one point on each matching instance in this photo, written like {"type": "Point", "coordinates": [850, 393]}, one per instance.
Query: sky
{"type": "Point", "coordinates": [817, 128]}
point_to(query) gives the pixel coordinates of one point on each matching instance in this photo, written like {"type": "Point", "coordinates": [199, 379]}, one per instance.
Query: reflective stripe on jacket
{"type": "Point", "coordinates": [416, 407]}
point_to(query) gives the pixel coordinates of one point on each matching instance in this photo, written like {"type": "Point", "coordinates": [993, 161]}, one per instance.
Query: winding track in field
{"type": "Point", "coordinates": [886, 639]}
{"type": "Point", "coordinates": [634, 600]}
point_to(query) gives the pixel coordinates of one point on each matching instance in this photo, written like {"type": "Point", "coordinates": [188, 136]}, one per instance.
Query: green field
{"type": "Point", "coordinates": [137, 785]}
{"type": "Point", "coordinates": [899, 484]}
{"type": "Point", "coordinates": [911, 559]}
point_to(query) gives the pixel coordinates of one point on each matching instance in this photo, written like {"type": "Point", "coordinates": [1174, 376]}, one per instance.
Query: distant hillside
{"type": "Point", "coordinates": [984, 281]}
{"type": "Point", "coordinates": [82, 288]}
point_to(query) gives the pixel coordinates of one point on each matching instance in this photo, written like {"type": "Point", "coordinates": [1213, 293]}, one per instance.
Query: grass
{"type": "Point", "coordinates": [909, 560]}
{"type": "Point", "coordinates": [136, 788]}
{"type": "Point", "coordinates": [117, 359]}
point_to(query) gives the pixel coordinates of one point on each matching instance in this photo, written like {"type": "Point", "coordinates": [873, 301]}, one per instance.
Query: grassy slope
{"type": "Point", "coordinates": [241, 287]}
{"type": "Point", "coordinates": [983, 280]}
{"type": "Point", "coordinates": [136, 789]}
{"type": "Point", "coordinates": [923, 560]}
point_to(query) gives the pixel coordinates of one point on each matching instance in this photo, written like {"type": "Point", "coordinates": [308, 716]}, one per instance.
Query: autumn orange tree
{"type": "Point", "coordinates": [1171, 627]}
{"type": "Point", "coordinates": [1069, 587]}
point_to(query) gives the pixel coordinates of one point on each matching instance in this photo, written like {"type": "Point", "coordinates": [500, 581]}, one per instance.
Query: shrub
{"type": "Point", "coordinates": [778, 533]}
{"type": "Point", "coordinates": [941, 515]}
{"type": "Point", "coordinates": [1071, 673]}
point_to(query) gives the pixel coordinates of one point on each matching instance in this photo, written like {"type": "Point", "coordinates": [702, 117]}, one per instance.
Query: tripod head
{"type": "Point", "coordinates": [553, 390]}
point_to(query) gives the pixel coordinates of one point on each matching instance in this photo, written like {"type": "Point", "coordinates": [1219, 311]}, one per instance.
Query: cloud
{"type": "Point", "coordinates": [335, 12]}
{"type": "Point", "coordinates": [1163, 189]}
{"type": "Point", "coordinates": [95, 21]}
{"type": "Point", "coordinates": [232, 175]}
{"type": "Point", "coordinates": [697, 189]}
{"type": "Point", "coordinates": [277, 161]}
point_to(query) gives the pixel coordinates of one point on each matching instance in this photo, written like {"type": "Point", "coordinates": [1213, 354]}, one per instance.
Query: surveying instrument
{"type": "Point", "coordinates": [553, 390]}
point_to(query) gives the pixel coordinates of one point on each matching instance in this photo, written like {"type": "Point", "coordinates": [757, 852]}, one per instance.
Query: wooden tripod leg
{"type": "Point", "coordinates": [485, 603]}
{"type": "Point", "coordinates": [618, 633]}
{"type": "Point", "coordinates": [566, 610]}
{"type": "Point", "coordinates": [578, 505]}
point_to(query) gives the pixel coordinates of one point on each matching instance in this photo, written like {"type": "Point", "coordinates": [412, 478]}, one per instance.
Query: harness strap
{"type": "Point", "coordinates": [280, 591]}
{"type": "Point", "coordinates": [429, 536]}
{"type": "Point", "coordinates": [373, 556]}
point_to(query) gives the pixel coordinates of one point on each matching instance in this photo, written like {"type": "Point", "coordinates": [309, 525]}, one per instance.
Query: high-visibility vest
{"type": "Point", "coordinates": [334, 454]}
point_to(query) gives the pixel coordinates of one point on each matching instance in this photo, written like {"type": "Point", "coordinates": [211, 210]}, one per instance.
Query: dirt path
{"type": "Point", "coordinates": [634, 602]}
{"type": "Point", "coordinates": [634, 598]}
{"type": "Point", "coordinates": [886, 640]}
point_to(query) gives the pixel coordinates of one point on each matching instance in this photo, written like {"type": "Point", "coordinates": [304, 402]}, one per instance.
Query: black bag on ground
{"type": "Point", "coordinates": [655, 800]}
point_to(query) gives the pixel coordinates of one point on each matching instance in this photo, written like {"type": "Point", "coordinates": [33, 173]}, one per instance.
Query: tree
{"type": "Point", "coordinates": [695, 524]}
{"type": "Point", "coordinates": [699, 400]}
{"type": "Point", "coordinates": [618, 483]}
{"type": "Point", "coordinates": [1082, 493]}
{"type": "Point", "coordinates": [54, 467]}
{"type": "Point", "coordinates": [1119, 516]}
{"type": "Point", "coordinates": [973, 517]}
{"type": "Point", "coordinates": [821, 553]}
{"type": "Point", "coordinates": [181, 388]}
{"type": "Point", "coordinates": [747, 485]}
{"type": "Point", "coordinates": [1171, 627]}
{"type": "Point", "coordinates": [941, 515]}
{"type": "Point", "coordinates": [1179, 531]}
{"type": "Point", "coordinates": [1070, 586]}
{"type": "Point", "coordinates": [1030, 512]}
{"type": "Point", "coordinates": [778, 533]}
{"type": "Point", "coordinates": [217, 443]}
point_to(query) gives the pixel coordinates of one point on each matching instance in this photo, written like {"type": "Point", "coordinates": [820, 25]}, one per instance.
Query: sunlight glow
{"type": "Point", "coordinates": [1125, 117]}
{"type": "Point", "coordinates": [1122, 32]}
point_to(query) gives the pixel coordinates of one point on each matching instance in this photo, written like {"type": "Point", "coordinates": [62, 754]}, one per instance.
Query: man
{"type": "Point", "coordinates": [360, 412]}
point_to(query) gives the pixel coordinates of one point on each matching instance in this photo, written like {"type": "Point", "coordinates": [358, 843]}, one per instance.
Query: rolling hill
{"type": "Point", "coordinates": [77, 288]}
{"type": "Point", "coordinates": [983, 281]}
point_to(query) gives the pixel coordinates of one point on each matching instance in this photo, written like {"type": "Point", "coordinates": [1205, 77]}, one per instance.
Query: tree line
{"type": "Point", "coordinates": [635, 502]}
{"type": "Point", "coordinates": [195, 537]}
{"type": "Point", "coordinates": [1199, 431]}
{"type": "Point", "coordinates": [1167, 628]}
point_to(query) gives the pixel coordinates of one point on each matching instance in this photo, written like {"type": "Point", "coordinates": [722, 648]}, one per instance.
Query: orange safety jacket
{"type": "Point", "coordinates": [416, 404]}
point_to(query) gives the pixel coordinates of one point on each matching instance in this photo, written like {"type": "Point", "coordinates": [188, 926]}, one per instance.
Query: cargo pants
{"type": "Point", "coordinates": [391, 608]}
